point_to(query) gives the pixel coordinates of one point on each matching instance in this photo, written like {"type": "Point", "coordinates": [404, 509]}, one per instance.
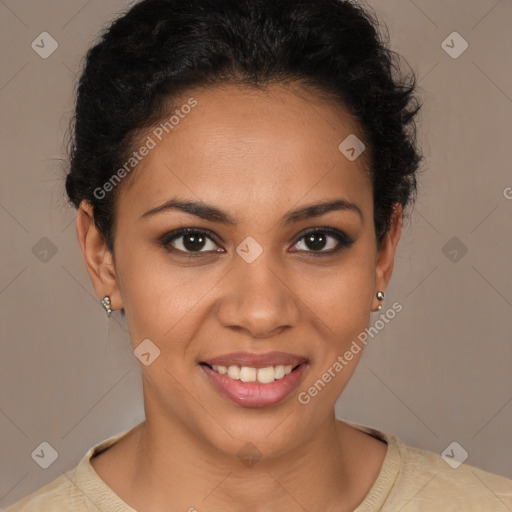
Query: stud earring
{"type": "Point", "coordinates": [106, 304]}
{"type": "Point", "coordinates": [380, 296]}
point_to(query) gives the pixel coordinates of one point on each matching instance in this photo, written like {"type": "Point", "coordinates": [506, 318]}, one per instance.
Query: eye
{"type": "Point", "coordinates": [189, 241]}
{"type": "Point", "coordinates": [317, 240]}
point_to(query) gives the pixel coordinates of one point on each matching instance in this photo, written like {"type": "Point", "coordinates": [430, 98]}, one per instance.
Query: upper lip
{"type": "Point", "coordinates": [256, 360]}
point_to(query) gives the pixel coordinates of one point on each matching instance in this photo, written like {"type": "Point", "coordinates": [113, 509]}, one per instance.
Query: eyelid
{"type": "Point", "coordinates": [170, 236]}
{"type": "Point", "coordinates": [344, 240]}
{"type": "Point", "coordinates": [330, 231]}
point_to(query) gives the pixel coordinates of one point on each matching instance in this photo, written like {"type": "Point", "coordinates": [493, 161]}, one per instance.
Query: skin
{"type": "Point", "coordinates": [256, 155]}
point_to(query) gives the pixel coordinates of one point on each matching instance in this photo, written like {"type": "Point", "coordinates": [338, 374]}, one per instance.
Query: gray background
{"type": "Point", "coordinates": [438, 373]}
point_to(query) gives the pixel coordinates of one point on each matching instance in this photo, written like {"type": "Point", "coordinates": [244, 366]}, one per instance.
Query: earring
{"type": "Point", "coordinates": [380, 296]}
{"type": "Point", "coordinates": [106, 304]}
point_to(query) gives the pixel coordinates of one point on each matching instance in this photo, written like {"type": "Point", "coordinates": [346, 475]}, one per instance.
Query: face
{"type": "Point", "coordinates": [251, 275]}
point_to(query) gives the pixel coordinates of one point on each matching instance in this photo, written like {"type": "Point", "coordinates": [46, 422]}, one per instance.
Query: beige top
{"type": "Point", "coordinates": [410, 480]}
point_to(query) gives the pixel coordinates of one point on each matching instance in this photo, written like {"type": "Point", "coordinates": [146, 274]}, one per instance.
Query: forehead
{"type": "Point", "coordinates": [244, 144]}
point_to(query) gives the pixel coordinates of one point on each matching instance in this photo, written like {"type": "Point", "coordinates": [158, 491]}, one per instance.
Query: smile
{"type": "Point", "coordinates": [248, 374]}
{"type": "Point", "coordinates": [255, 387]}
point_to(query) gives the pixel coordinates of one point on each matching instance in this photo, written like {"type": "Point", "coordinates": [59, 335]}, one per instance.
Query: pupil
{"type": "Point", "coordinates": [319, 244]}
{"type": "Point", "coordinates": [197, 241]}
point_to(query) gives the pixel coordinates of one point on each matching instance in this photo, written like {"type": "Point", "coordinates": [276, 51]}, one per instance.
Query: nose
{"type": "Point", "coordinates": [258, 299]}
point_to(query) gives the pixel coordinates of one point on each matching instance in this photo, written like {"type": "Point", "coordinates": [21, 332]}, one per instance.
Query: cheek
{"type": "Point", "coordinates": [159, 299]}
{"type": "Point", "coordinates": [340, 302]}
{"type": "Point", "coordinates": [341, 295]}
{"type": "Point", "coordinates": [170, 302]}
{"type": "Point", "coordinates": [166, 301]}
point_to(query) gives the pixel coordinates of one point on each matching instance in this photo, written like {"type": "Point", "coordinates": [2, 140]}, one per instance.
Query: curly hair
{"type": "Point", "coordinates": [161, 48]}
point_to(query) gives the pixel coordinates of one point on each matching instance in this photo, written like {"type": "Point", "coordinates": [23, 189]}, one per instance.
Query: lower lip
{"type": "Point", "coordinates": [255, 394]}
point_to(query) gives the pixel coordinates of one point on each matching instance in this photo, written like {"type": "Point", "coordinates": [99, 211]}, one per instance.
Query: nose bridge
{"type": "Point", "coordinates": [256, 299]}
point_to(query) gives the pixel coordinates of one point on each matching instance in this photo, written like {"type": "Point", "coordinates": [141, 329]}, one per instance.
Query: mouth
{"type": "Point", "coordinates": [255, 383]}
{"type": "Point", "coordinates": [265, 375]}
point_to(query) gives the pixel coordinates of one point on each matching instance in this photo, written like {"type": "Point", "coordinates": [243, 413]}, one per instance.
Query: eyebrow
{"type": "Point", "coordinates": [215, 214]}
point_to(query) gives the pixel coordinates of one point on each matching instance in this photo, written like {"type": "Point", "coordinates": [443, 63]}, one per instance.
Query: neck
{"type": "Point", "coordinates": [326, 472]}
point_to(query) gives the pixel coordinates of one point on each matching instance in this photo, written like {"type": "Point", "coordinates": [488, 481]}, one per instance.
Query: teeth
{"type": "Point", "coordinates": [234, 372]}
{"type": "Point", "coordinates": [279, 371]}
{"type": "Point", "coordinates": [266, 375]}
{"type": "Point", "coordinates": [248, 374]}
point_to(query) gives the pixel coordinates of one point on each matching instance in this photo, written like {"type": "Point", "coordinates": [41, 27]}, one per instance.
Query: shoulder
{"type": "Point", "coordinates": [427, 481]}
{"type": "Point", "coordinates": [59, 494]}
{"type": "Point", "coordinates": [77, 489]}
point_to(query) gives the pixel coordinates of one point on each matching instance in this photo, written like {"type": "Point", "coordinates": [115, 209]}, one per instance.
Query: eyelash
{"type": "Point", "coordinates": [165, 241]}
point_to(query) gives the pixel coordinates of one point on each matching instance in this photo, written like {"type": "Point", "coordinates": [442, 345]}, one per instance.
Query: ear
{"type": "Point", "coordinates": [386, 253]}
{"type": "Point", "coordinates": [98, 259]}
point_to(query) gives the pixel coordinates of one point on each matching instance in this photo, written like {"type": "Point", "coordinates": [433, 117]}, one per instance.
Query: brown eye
{"type": "Point", "coordinates": [189, 241]}
{"type": "Point", "coordinates": [324, 241]}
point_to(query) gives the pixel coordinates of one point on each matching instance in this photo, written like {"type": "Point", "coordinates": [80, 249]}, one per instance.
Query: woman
{"type": "Point", "coordinates": [241, 169]}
